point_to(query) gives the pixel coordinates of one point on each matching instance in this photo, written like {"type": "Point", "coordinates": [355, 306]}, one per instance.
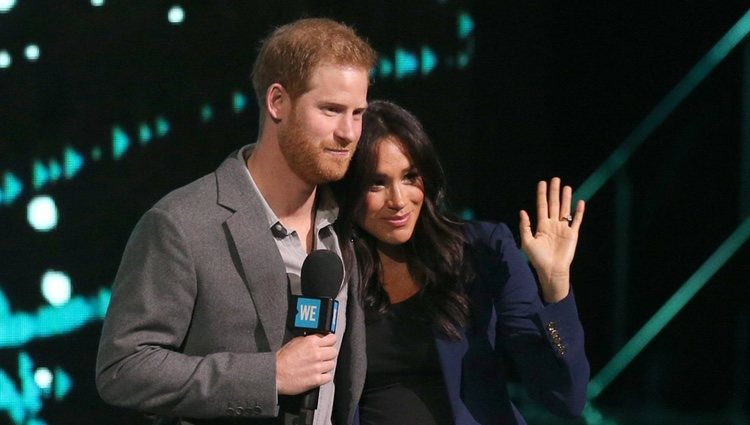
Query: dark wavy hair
{"type": "Point", "coordinates": [436, 251]}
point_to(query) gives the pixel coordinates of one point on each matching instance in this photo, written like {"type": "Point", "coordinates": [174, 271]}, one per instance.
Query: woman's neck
{"type": "Point", "coordinates": [395, 276]}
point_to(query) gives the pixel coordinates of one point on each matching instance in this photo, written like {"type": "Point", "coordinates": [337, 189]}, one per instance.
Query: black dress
{"type": "Point", "coordinates": [404, 383]}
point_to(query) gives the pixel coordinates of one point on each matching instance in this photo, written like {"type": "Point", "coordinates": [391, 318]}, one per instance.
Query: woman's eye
{"type": "Point", "coordinates": [376, 185]}
{"type": "Point", "coordinates": [411, 178]}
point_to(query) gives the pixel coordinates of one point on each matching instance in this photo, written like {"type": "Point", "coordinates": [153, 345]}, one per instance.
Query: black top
{"type": "Point", "coordinates": [404, 383]}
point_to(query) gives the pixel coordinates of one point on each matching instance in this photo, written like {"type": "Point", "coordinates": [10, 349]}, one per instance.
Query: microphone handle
{"type": "Point", "coordinates": [308, 406]}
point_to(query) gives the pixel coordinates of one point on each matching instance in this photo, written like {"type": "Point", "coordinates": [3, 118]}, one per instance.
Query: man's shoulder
{"type": "Point", "coordinates": [202, 193]}
{"type": "Point", "coordinates": [197, 191]}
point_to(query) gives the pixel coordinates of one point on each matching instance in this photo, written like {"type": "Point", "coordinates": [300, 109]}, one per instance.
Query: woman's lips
{"type": "Point", "coordinates": [398, 221]}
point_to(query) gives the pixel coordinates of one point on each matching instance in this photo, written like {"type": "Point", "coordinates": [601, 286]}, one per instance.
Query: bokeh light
{"type": "Point", "coordinates": [42, 213]}
{"type": "Point", "coordinates": [56, 287]}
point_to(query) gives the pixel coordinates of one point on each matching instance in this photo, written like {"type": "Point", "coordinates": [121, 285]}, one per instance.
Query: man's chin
{"type": "Point", "coordinates": [327, 176]}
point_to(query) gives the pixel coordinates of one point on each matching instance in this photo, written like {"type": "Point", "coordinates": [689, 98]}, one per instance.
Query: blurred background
{"type": "Point", "coordinates": [644, 107]}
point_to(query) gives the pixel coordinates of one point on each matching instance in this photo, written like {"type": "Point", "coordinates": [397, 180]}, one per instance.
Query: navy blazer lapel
{"type": "Point", "coordinates": [451, 354]}
{"type": "Point", "coordinates": [262, 265]}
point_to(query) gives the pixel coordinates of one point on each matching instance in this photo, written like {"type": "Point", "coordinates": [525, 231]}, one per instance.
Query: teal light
{"type": "Point", "coordinates": [12, 188]}
{"type": "Point", "coordinates": [406, 63]}
{"type": "Point", "coordinates": [20, 328]}
{"type": "Point", "coordinates": [162, 126]}
{"type": "Point", "coordinates": [207, 113]}
{"type": "Point", "coordinates": [55, 170]}
{"type": "Point", "coordinates": [665, 314]}
{"type": "Point", "coordinates": [22, 403]}
{"type": "Point", "coordinates": [239, 101]}
{"type": "Point", "coordinates": [96, 153]}
{"type": "Point", "coordinates": [102, 302]}
{"type": "Point", "coordinates": [97, 3]}
{"type": "Point", "coordinates": [386, 67]}
{"type": "Point", "coordinates": [11, 401]}
{"type": "Point", "coordinates": [31, 394]}
{"type": "Point", "coordinates": [429, 60]}
{"type": "Point", "coordinates": [72, 162]}
{"type": "Point", "coordinates": [664, 108]}
{"type": "Point", "coordinates": [465, 25]}
{"type": "Point", "coordinates": [39, 175]}
{"type": "Point", "coordinates": [466, 214]}
{"type": "Point", "coordinates": [463, 59]}
{"type": "Point", "coordinates": [120, 142]}
{"type": "Point", "coordinates": [144, 134]}
{"type": "Point", "coordinates": [63, 384]}
{"type": "Point", "coordinates": [593, 416]}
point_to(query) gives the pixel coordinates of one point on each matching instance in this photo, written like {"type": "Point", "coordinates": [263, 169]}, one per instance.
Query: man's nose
{"type": "Point", "coordinates": [347, 129]}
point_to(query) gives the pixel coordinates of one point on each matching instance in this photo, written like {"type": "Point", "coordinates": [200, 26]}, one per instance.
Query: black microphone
{"type": "Point", "coordinates": [315, 311]}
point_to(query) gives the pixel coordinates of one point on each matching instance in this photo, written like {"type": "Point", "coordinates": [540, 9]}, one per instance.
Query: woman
{"type": "Point", "coordinates": [445, 300]}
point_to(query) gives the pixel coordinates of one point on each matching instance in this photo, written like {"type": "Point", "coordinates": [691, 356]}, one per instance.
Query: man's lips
{"type": "Point", "coordinates": [338, 151]}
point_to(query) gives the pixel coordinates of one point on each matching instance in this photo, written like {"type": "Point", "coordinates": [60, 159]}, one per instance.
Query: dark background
{"type": "Point", "coordinates": [551, 89]}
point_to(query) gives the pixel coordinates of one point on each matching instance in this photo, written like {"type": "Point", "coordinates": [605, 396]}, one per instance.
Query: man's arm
{"type": "Point", "coordinates": [139, 364]}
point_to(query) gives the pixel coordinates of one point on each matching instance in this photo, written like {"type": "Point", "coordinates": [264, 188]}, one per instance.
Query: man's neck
{"type": "Point", "coordinates": [290, 198]}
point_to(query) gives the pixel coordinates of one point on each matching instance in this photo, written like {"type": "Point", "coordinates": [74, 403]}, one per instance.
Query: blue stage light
{"type": "Point", "coordinates": [406, 64]}
{"type": "Point", "coordinates": [120, 142]}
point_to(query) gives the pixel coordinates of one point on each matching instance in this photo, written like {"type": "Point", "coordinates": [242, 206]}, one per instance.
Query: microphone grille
{"type": "Point", "coordinates": [322, 273]}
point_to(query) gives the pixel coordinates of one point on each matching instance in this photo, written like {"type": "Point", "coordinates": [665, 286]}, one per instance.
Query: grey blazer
{"type": "Point", "coordinates": [199, 308]}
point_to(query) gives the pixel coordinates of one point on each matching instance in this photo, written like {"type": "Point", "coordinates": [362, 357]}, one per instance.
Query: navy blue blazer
{"type": "Point", "coordinates": [508, 317]}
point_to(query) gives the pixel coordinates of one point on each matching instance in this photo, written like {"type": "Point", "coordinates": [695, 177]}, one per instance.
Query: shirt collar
{"type": "Point", "coordinates": [326, 213]}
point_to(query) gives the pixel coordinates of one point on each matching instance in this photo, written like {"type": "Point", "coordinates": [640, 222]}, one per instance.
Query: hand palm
{"type": "Point", "coordinates": [552, 247]}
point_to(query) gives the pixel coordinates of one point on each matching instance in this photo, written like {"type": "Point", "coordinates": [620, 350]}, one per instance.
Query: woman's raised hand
{"type": "Point", "coordinates": [552, 247]}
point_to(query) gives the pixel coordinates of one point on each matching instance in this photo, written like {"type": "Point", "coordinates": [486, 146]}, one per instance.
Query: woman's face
{"type": "Point", "coordinates": [394, 196]}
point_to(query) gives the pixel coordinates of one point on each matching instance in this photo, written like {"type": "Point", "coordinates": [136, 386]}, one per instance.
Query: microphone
{"type": "Point", "coordinates": [315, 311]}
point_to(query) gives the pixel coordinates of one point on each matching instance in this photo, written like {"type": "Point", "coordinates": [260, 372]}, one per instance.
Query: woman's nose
{"type": "Point", "coordinates": [396, 199]}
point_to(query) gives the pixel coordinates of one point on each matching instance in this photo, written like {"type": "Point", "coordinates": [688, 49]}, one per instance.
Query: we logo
{"type": "Point", "coordinates": [308, 313]}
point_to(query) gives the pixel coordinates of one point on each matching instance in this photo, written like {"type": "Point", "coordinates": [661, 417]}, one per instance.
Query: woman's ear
{"type": "Point", "coordinates": [277, 102]}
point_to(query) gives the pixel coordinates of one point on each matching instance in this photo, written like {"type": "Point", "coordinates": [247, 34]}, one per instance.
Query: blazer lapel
{"type": "Point", "coordinates": [451, 354]}
{"type": "Point", "coordinates": [352, 363]}
{"type": "Point", "coordinates": [262, 265]}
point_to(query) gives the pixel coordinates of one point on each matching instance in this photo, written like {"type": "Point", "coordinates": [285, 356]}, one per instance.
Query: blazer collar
{"type": "Point", "coordinates": [262, 266]}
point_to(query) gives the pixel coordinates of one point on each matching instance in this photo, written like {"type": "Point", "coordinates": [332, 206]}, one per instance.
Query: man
{"type": "Point", "coordinates": [196, 327]}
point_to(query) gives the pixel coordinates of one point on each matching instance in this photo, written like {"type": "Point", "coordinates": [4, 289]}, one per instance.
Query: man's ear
{"type": "Point", "coordinates": [277, 102]}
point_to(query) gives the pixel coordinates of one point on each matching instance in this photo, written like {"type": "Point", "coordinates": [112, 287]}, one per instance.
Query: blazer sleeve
{"type": "Point", "coordinates": [546, 342]}
{"type": "Point", "coordinates": [140, 364]}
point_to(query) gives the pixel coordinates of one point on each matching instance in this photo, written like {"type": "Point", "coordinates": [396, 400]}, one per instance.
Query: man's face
{"type": "Point", "coordinates": [320, 135]}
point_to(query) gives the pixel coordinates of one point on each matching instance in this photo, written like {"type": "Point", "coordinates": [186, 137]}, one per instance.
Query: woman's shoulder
{"type": "Point", "coordinates": [485, 232]}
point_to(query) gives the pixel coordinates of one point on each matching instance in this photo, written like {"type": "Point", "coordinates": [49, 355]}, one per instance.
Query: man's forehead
{"type": "Point", "coordinates": [339, 84]}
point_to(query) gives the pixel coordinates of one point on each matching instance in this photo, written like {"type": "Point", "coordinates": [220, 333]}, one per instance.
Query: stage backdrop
{"type": "Point", "coordinates": [107, 105]}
